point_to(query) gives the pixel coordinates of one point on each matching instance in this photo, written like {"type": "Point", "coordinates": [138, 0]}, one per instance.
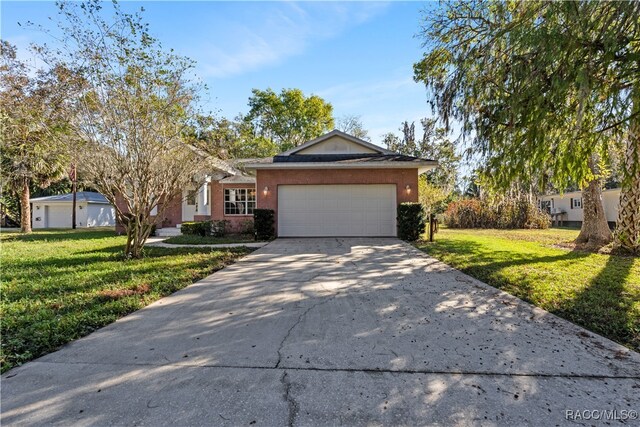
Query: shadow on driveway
{"type": "Point", "coordinates": [328, 331]}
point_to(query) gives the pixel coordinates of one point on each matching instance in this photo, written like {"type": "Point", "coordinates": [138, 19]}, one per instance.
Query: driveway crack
{"type": "Point", "coordinates": [296, 323]}
{"type": "Point", "coordinates": [292, 404]}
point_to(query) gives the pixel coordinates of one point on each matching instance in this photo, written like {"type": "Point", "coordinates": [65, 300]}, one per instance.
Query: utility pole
{"type": "Point", "coordinates": [74, 189]}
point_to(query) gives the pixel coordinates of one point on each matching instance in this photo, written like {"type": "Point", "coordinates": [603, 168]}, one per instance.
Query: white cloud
{"type": "Point", "coordinates": [281, 31]}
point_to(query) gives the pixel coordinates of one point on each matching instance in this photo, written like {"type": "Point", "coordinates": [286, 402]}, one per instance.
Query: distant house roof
{"type": "Point", "coordinates": [81, 196]}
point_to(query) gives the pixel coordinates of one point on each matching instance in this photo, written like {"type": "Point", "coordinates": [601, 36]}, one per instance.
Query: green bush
{"type": "Point", "coordinates": [246, 227]}
{"type": "Point", "coordinates": [218, 228]}
{"type": "Point", "coordinates": [412, 221]}
{"type": "Point", "coordinates": [199, 228]}
{"type": "Point", "coordinates": [263, 224]}
{"type": "Point", "coordinates": [495, 213]}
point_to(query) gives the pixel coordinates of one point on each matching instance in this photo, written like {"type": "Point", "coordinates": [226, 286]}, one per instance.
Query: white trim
{"type": "Point", "coordinates": [341, 134]}
{"type": "Point", "coordinates": [422, 166]}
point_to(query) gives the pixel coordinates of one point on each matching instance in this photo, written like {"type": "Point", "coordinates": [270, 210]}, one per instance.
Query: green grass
{"type": "Point", "coordinates": [598, 292]}
{"type": "Point", "coordinates": [187, 239]}
{"type": "Point", "coordinates": [59, 285]}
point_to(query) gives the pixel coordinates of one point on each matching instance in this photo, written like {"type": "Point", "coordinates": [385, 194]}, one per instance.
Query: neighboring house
{"type": "Point", "coordinates": [92, 210]}
{"type": "Point", "coordinates": [569, 206]}
{"type": "Point", "coordinates": [334, 185]}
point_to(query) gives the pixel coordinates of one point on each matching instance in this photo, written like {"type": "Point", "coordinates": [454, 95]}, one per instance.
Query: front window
{"type": "Point", "coordinates": [239, 201]}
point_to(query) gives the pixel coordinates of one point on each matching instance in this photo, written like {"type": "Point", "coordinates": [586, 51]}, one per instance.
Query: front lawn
{"type": "Point", "coordinates": [598, 292]}
{"type": "Point", "coordinates": [190, 239]}
{"type": "Point", "coordinates": [59, 285]}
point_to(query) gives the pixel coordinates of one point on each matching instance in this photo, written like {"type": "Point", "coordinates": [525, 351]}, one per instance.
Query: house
{"type": "Point", "coordinates": [334, 185]}
{"type": "Point", "coordinates": [568, 206]}
{"type": "Point", "coordinates": [92, 210]}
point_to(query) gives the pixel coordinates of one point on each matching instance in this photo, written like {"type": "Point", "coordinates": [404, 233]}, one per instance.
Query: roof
{"type": "Point", "coordinates": [346, 158]}
{"type": "Point", "coordinates": [238, 179]}
{"type": "Point", "coordinates": [81, 196]}
{"type": "Point", "coordinates": [373, 157]}
{"type": "Point", "coordinates": [341, 134]}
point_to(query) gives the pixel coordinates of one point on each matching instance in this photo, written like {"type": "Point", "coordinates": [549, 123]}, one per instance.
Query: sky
{"type": "Point", "coordinates": [358, 56]}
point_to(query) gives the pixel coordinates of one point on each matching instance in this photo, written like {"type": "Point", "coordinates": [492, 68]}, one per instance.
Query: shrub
{"type": "Point", "coordinates": [200, 228]}
{"type": "Point", "coordinates": [496, 213]}
{"type": "Point", "coordinates": [411, 221]}
{"type": "Point", "coordinates": [263, 224]}
{"type": "Point", "coordinates": [246, 227]}
{"type": "Point", "coordinates": [218, 228]}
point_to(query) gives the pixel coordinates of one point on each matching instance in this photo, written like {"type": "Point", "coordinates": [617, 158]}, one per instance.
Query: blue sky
{"type": "Point", "coordinates": [356, 55]}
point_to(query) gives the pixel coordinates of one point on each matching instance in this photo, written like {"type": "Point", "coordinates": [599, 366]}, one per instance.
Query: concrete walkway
{"type": "Point", "coordinates": [330, 332]}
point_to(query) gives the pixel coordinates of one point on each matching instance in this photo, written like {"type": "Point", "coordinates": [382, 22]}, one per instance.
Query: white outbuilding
{"type": "Point", "coordinates": [92, 210]}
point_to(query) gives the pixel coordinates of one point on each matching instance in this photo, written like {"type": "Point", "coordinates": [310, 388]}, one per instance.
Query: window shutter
{"type": "Point", "coordinates": [572, 203]}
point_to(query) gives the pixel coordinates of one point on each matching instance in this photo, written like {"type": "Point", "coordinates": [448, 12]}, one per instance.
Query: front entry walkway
{"type": "Point", "coordinates": [330, 332]}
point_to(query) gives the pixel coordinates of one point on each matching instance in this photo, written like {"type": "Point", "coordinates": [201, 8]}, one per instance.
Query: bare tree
{"type": "Point", "coordinates": [353, 126]}
{"type": "Point", "coordinates": [133, 103]}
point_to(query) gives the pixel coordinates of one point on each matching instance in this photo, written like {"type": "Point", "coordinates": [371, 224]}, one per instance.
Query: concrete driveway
{"type": "Point", "coordinates": [330, 332]}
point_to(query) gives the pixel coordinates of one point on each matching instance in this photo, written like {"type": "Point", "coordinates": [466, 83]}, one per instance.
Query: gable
{"type": "Point", "coordinates": [336, 145]}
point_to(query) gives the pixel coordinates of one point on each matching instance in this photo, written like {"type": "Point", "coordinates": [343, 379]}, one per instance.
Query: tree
{"type": "Point", "coordinates": [132, 105]}
{"type": "Point", "coordinates": [433, 145]}
{"type": "Point", "coordinates": [353, 126]}
{"type": "Point", "coordinates": [34, 113]}
{"type": "Point", "coordinates": [288, 119]}
{"type": "Point", "coordinates": [228, 139]}
{"type": "Point", "coordinates": [541, 85]}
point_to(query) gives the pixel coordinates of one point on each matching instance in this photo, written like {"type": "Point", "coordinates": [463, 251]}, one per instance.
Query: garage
{"type": "Point", "coordinates": [57, 216]}
{"type": "Point", "coordinates": [92, 210]}
{"type": "Point", "coordinates": [336, 210]}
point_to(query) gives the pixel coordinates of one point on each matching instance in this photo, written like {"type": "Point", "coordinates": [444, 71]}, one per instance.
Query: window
{"type": "Point", "coordinates": [545, 206]}
{"type": "Point", "coordinates": [239, 201]}
{"type": "Point", "coordinates": [191, 197]}
{"type": "Point", "coordinates": [576, 203]}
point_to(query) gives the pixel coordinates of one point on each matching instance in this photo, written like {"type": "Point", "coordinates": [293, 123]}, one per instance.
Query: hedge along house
{"type": "Point", "coordinates": [337, 185]}
{"type": "Point", "coordinates": [92, 210]}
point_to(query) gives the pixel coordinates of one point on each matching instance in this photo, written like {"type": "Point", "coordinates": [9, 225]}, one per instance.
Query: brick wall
{"type": "Point", "coordinates": [171, 216]}
{"type": "Point", "coordinates": [236, 222]}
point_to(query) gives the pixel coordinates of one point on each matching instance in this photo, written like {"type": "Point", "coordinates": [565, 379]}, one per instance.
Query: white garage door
{"type": "Point", "coordinates": [336, 210]}
{"type": "Point", "coordinates": [59, 216]}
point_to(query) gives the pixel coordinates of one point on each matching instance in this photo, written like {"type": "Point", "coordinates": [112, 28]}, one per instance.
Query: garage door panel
{"type": "Point", "coordinates": [337, 210]}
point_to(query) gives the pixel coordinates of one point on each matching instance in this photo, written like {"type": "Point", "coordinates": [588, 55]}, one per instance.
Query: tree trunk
{"type": "Point", "coordinates": [595, 231]}
{"type": "Point", "coordinates": [25, 207]}
{"type": "Point", "coordinates": [627, 234]}
{"type": "Point", "coordinates": [138, 232]}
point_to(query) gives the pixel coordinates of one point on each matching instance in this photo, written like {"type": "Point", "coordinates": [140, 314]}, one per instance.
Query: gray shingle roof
{"type": "Point", "coordinates": [81, 196]}
{"type": "Point", "coordinates": [342, 158]}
